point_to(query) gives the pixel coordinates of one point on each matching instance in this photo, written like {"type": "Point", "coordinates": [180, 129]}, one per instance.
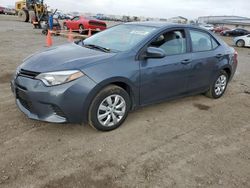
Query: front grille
{"type": "Point", "coordinates": [26, 104]}
{"type": "Point", "coordinates": [57, 111]}
{"type": "Point", "coordinates": [29, 74]}
{"type": "Point", "coordinates": [97, 24]}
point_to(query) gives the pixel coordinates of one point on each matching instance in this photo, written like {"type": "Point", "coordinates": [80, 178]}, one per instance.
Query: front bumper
{"type": "Point", "coordinates": [234, 41]}
{"type": "Point", "coordinates": [58, 104]}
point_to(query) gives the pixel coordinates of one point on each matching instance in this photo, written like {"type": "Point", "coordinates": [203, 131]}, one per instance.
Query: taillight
{"type": "Point", "coordinates": [235, 57]}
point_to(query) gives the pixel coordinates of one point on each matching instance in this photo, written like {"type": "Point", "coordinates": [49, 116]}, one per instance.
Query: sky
{"type": "Point", "coordinates": [190, 9]}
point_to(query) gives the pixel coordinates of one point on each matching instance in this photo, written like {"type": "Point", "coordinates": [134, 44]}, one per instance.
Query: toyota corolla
{"type": "Point", "coordinates": [100, 79]}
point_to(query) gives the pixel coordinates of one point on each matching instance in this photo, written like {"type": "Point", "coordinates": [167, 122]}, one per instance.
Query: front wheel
{"type": "Point", "coordinates": [240, 43]}
{"type": "Point", "coordinates": [218, 88]}
{"type": "Point", "coordinates": [45, 31]}
{"type": "Point", "coordinates": [109, 108]}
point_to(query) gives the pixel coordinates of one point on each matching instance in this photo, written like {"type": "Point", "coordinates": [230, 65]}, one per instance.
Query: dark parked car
{"type": "Point", "coordinates": [235, 32]}
{"type": "Point", "coordinates": [99, 80]}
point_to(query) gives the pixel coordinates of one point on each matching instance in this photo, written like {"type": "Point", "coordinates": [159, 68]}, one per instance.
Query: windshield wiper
{"type": "Point", "coordinates": [97, 47]}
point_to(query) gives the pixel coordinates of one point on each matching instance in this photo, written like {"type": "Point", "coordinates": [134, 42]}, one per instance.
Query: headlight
{"type": "Point", "coordinates": [60, 77]}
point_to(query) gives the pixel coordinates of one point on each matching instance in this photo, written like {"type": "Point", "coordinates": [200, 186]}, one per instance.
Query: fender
{"type": "Point", "coordinates": [222, 66]}
{"type": "Point", "coordinates": [133, 92]}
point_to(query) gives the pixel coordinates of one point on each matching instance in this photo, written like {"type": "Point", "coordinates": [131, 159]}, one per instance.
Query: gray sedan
{"type": "Point", "coordinates": [99, 80]}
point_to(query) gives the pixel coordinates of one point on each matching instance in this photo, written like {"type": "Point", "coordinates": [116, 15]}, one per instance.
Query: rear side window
{"type": "Point", "coordinates": [202, 41]}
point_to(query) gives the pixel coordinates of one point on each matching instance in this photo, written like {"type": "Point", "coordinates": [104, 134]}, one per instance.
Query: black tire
{"type": "Point", "coordinates": [211, 93]}
{"type": "Point", "coordinates": [240, 43]}
{"type": "Point", "coordinates": [45, 31]}
{"type": "Point", "coordinates": [81, 29]}
{"type": "Point", "coordinates": [65, 26]}
{"type": "Point", "coordinates": [37, 26]}
{"type": "Point", "coordinates": [23, 15]}
{"type": "Point", "coordinates": [110, 90]}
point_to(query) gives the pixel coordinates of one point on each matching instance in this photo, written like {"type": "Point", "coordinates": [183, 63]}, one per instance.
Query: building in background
{"type": "Point", "coordinates": [178, 19]}
{"type": "Point", "coordinates": [226, 21]}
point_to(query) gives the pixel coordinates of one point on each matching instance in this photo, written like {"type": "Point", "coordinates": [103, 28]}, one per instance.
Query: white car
{"type": "Point", "coordinates": [207, 26]}
{"type": "Point", "coordinates": [242, 41]}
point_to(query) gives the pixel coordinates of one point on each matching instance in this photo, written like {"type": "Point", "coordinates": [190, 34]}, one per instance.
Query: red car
{"type": "Point", "coordinates": [2, 10]}
{"type": "Point", "coordinates": [220, 29]}
{"type": "Point", "coordinates": [82, 24]}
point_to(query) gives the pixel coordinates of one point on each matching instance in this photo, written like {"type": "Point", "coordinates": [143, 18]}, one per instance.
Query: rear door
{"type": "Point", "coordinates": [206, 54]}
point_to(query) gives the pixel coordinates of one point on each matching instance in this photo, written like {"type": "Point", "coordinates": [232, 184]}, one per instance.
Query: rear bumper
{"type": "Point", "coordinates": [57, 104]}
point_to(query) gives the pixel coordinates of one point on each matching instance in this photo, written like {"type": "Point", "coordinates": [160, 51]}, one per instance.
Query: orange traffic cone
{"type": "Point", "coordinates": [49, 41]}
{"type": "Point", "coordinates": [89, 33]}
{"type": "Point", "coordinates": [70, 36]}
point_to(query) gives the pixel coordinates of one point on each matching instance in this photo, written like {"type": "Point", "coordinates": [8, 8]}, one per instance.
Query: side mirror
{"type": "Point", "coordinates": [153, 52]}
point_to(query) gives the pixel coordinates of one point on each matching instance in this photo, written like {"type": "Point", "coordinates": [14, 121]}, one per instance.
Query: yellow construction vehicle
{"type": "Point", "coordinates": [33, 11]}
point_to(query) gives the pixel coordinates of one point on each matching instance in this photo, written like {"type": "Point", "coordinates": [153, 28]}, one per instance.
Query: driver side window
{"type": "Point", "coordinates": [172, 42]}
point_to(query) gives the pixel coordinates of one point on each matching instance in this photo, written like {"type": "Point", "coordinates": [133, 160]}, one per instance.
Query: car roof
{"type": "Point", "coordinates": [158, 24]}
{"type": "Point", "coordinates": [161, 24]}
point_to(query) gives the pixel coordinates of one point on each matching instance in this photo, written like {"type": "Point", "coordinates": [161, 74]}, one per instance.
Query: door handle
{"type": "Point", "coordinates": [186, 61]}
{"type": "Point", "coordinates": [219, 55]}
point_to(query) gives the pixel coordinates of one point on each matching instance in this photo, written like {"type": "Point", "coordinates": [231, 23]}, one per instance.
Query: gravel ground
{"type": "Point", "coordinates": [190, 142]}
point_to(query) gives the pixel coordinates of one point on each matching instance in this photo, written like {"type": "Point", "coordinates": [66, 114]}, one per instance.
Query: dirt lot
{"type": "Point", "coordinates": [190, 142]}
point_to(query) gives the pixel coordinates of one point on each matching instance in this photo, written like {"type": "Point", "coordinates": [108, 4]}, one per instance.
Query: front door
{"type": "Point", "coordinates": [74, 23]}
{"type": "Point", "coordinates": [165, 77]}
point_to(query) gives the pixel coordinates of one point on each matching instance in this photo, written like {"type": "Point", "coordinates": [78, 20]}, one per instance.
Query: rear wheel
{"type": "Point", "coordinates": [240, 43]}
{"type": "Point", "coordinates": [65, 26]}
{"type": "Point", "coordinates": [109, 108]}
{"type": "Point", "coordinates": [218, 87]}
{"type": "Point", "coordinates": [23, 15]}
{"type": "Point", "coordinates": [81, 29]}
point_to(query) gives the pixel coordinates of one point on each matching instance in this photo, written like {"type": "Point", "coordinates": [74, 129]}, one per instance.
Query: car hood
{"type": "Point", "coordinates": [64, 57]}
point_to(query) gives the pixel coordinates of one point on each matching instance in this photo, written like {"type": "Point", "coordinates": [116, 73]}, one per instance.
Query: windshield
{"type": "Point", "coordinates": [120, 38]}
